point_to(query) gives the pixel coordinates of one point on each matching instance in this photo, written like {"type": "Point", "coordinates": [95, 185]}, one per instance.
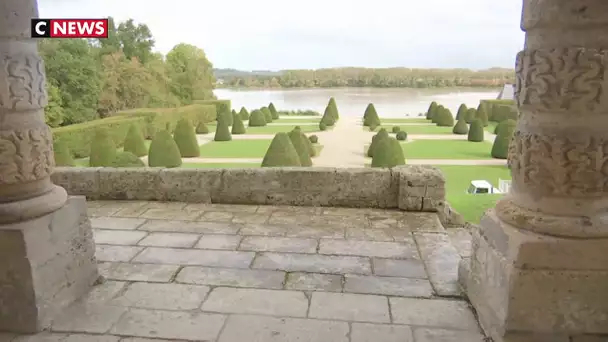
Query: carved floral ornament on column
{"type": "Point", "coordinates": [25, 152]}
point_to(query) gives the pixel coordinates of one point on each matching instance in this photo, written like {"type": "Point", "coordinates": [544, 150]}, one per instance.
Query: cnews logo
{"type": "Point", "coordinates": [69, 28]}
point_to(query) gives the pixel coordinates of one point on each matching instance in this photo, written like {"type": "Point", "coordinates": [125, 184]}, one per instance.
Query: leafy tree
{"type": "Point", "coordinates": [63, 156]}
{"type": "Point", "coordinates": [72, 67]}
{"type": "Point", "coordinates": [134, 142]}
{"type": "Point", "coordinates": [281, 152]}
{"type": "Point", "coordinates": [462, 110]}
{"type": "Point", "coordinates": [300, 144]}
{"type": "Point", "coordinates": [273, 111]}
{"type": "Point", "coordinates": [53, 112]}
{"type": "Point", "coordinates": [103, 149]}
{"type": "Point", "coordinates": [476, 131]}
{"type": "Point", "coordinates": [190, 72]}
{"type": "Point", "coordinates": [164, 151]}
{"type": "Point", "coordinates": [185, 139]}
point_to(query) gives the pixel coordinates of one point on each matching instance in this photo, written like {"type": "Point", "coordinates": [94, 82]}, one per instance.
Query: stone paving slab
{"type": "Point", "coordinates": [225, 273]}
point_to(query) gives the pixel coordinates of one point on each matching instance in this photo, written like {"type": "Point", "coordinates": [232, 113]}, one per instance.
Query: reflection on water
{"type": "Point", "coordinates": [352, 101]}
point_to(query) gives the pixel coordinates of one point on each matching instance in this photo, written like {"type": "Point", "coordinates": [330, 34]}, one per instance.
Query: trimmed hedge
{"type": "Point", "coordinates": [482, 114]}
{"type": "Point", "coordinates": [185, 138]}
{"type": "Point", "coordinates": [491, 105]}
{"type": "Point", "coordinates": [431, 111]}
{"type": "Point", "coordinates": [300, 143]}
{"type": "Point", "coordinates": [134, 142]}
{"type": "Point", "coordinates": [103, 149]}
{"type": "Point", "coordinates": [273, 111]}
{"type": "Point", "coordinates": [127, 159]}
{"type": "Point", "coordinates": [501, 113]}
{"type": "Point", "coordinates": [329, 116]}
{"type": "Point", "coordinates": [334, 107]}
{"type": "Point", "coordinates": [388, 154]}
{"type": "Point", "coordinates": [444, 118]}
{"type": "Point", "coordinates": [505, 127]}
{"type": "Point", "coordinates": [257, 119]}
{"type": "Point", "coordinates": [164, 151]}
{"type": "Point", "coordinates": [462, 111]}
{"type": "Point", "coordinates": [500, 148]}
{"type": "Point", "coordinates": [221, 106]}
{"type": "Point", "coordinates": [322, 126]}
{"type": "Point", "coordinates": [244, 114]}
{"type": "Point", "coordinates": [313, 139]}
{"type": "Point", "coordinates": [437, 113]}
{"type": "Point", "coordinates": [237, 125]}
{"type": "Point", "coordinates": [471, 115]}
{"type": "Point", "coordinates": [381, 135]}
{"type": "Point", "coordinates": [401, 135]}
{"type": "Point", "coordinates": [461, 127]}
{"type": "Point", "coordinates": [78, 137]}
{"type": "Point", "coordinates": [201, 128]}
{"type": "Point", "coordinates": [396, 129]}
{"type": "Point", "coordinates": [281, 152]}
{"type": "Point", "coordinates": [222, 130]}
{"type": "Point", "coordinates": [370, 117]}
{"type": "Point", "coordinates": [476, 131]}
{"type": "Point", "coordinates": [267, 114]}
{"type": "Point", "coordinates": [63, 156]}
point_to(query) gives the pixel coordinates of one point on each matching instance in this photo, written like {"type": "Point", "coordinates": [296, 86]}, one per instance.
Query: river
{"type": "Point", "coordinates": [394, 102]}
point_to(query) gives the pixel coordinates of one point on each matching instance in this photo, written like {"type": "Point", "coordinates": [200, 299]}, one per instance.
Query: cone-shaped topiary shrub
{"type": "Point", "coordinates": [471, 115]}
{"type": "Point", "coordinates": [103, 149]}
{"type": "Point", "coordinates": [396, 129]}
{"type": "Point", "coordinates": [313, 139]}
{"type": "Point", "coordinates": [500, 148]}
{"type": "Point", "coordinates": [322, 126]}
{"type": "Point", "coordinates": [382, 134]}
{"type": "Point", "coordinates": [185, 138]}
{"type": "Point", "coordinates": [334, 106]}
{"type": "Point", "coordinates": [431, 111]}
{"type": "Point", "coordinates": [273, 111]}
{"type": "Point", "coordinates": [233, 113]}
{"type": "Point", "coordinates": [310, 148]}
{"type": "Point", "coordinates": [164, 151]}
{"type": "Point", "coordinates": [462, 111]}
{"type": "Point", "coordinates": [437, 114]}
{"type": "Point", "coordinates": [267, 114]}
{"type": "Point", "coordinates": [222, 130]}
{"type": "Point", "coordinates": [370, 117]}
{"type": "Point", "coordinates": [244, 114]}
{"type": "Point", "coordinates": [201, 128]}
{"type": "Point", "coordinates": [238, 127]}
{"type": "Point", "coordinates": [63, 155]}
{"type": "Point", "coordinates": [329, 117]}
{"type": "Point", "coordinates": [281, 152]}
{"type": "Point", "coordinates": [388, 153]}
{"type": "Point", "coordinates": [226, 116]}
{"type": "Point", "coordinates": [461, 127]}
{"type": "Point", "coordinates": [134, 142]}
{"type": "Point", "coordinates": [482, 114]}
{"type": "Point", "coordinates": [372, 128]}
{"type": "Point", "coordinates": [401, 135]}
{"type": "Point", "coordinates": [476, 131]}
{"type": "Point", "coordinates": [127, 159]}
{"type": "Point", "coordinates": [505, 127]}
{"type": "Point", "coordinates": [257, 119]}
{"type": "Point", "coordinates": [444, 117]}
{"type": "Point", "coordinates": [300, 143]}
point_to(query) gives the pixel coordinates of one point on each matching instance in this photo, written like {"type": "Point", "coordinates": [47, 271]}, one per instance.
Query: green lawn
{"type": "Point", "coordinates": [431, 129]}
{"type": "Point", "coordinates": [446, 149]}
{"type": "Point", "coordinates": [458, 179]}
{"type": "Point", "coordinates": [404, 120]}
{"type": "Point", "coordinates": [219, 165]}
{"type": "Point", "coordinates": [312, 119]}
{"type": "Point", "coordinates": [273, 129]}
{"type": "Point", "coordinates": [235, 149]}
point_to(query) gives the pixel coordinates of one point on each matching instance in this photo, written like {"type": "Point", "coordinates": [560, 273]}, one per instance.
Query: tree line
{"type": "Point", "coordinates": [367, 77]}
{"type": "Point", "coordinates": [89, 79]}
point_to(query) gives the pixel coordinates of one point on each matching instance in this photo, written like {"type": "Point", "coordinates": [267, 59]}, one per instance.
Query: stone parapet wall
{"type": "Point", "coordinates": [409, 188]}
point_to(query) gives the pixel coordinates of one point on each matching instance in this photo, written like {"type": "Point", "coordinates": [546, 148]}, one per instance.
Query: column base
{"type": "Point", "coordinates": [530, 287]}
{"type": "Point", "coordinates": [45, 264]}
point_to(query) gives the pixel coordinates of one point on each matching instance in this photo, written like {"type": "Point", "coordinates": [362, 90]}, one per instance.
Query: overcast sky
{"type": "Point", "coordinates": [308, 34]}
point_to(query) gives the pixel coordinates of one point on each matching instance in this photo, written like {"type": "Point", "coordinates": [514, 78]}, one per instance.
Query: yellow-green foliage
{"type": "Point", "coordinates": [237, 125]}
{"type": "Point", "coordinates": [491, 105]}
{"type": "Point", "coordinates": [244, 114]}
{"type": "Point", "coordinates": [202, 128]}
{"type": "Point", "coordinates": [185, 138]}
{"type": "Point", "coordinates": [431, 111]}
{"type": "Point", "coordinates": [134, 142]}
{"type": "Point", "coordinates": [127, 159]}
{"type": "Point", "coordinates": [388, 153]}
{"type": "Point", "coordinates": [281, 152]}
{"type": "Point", "coordinates": [273, 111]}
{"type": "Point", "coordinates": [221, 106]}
{"type": "Point", "coordinates": [370, 117]}
{"type": "Point", "coordinates": [381, 135]}
{"type": "Point", "coordinates": [299, 142]}
{"type": "Point", "coordinates": [164, 151]}
{"type": "Point", "coordinates": [78, 137]}
{"type": "Point", "coordinates": [267, 114]}
{"type": "Point", "coordinates": [63, 156]}
{"type": "Point", "coordinates": [103, 149]}
{"type": "Point", "coordinates": [476, 131]}
{"type": "Point", "coordinates": [257, 119]}
{"type": "Point", "coordinates": [157, 118]}
{"type": "Point", "coordinates": [222, 130]}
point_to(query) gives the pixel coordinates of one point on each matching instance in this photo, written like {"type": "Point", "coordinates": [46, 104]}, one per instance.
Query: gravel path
{"type": "Point", "coordinates": [342, 145]}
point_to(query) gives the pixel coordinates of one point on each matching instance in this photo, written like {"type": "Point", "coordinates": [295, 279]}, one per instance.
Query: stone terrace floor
{"type": "Point", "coordinates": [235, 273]}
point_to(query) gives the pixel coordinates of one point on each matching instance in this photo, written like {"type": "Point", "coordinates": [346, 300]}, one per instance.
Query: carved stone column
{"type": "Point", "coordinates": [46, 246]}
{"type": "Point", "coordinates": [26, 148]}
{"type": "Point", "coordinates": [539, 268]}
